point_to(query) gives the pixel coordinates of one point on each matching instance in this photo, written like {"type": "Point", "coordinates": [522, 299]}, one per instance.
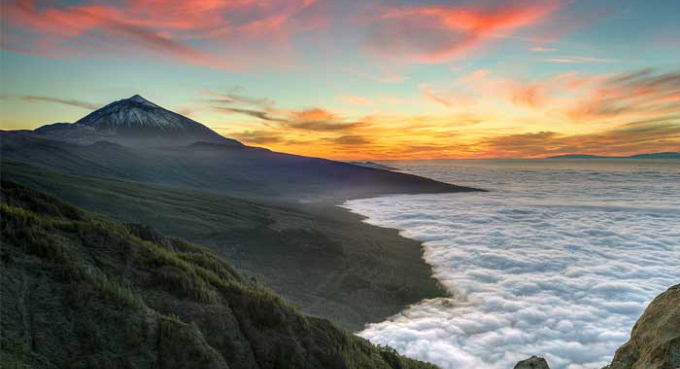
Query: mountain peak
{"type": "Point", "coordinates": [135, 121]}
{"type": "Point", "coordinates": [140, 100]}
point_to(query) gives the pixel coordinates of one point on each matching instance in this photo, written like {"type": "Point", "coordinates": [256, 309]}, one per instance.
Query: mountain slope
{"type": "Point", "coordinates": [134, 121]}
{"type": "Point", "coordinates": [321, 257]}
{"type": "Point", "coordinates": [246, 171]}
{"type": "Point", "coordinates": [81, 291]}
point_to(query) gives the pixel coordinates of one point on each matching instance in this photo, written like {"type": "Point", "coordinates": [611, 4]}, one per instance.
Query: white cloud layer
{"type": "Point", "coordinates": [559, 261]}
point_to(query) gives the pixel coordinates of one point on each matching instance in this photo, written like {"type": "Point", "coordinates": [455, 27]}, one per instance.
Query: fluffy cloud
{"type": "Point", "coordinates": [534, 267]}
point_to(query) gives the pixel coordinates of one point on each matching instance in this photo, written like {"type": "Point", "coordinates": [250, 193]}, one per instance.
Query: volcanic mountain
{"type": "Point", "coordinates": [134, 122]}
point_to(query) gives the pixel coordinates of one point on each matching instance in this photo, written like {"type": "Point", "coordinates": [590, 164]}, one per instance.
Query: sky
{"type": "Point", "coordinates": [355, 80]}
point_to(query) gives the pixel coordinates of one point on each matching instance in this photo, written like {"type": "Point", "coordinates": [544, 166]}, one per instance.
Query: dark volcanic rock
{"type": "Point", "coordinates": [533, 362]}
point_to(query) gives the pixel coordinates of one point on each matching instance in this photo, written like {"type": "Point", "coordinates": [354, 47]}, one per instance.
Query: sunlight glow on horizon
{"type": "Point", "coordinates": [389, 79]}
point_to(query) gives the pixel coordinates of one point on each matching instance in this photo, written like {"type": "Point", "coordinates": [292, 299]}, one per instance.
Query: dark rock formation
{"type": "Point", "coordinates": [533, 362]}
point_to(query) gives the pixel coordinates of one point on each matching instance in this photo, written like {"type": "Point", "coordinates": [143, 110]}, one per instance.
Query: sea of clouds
{"type": "Point", "coordinates": [557, 261]}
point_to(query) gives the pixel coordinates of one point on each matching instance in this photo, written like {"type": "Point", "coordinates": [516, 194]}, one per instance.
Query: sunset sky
{"type": "Point", "coordinates": [381, 79]}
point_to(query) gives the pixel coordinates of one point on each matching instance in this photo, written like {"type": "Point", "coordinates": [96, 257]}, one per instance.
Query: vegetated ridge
{"type": "Point", "coordinates": [82, 291]}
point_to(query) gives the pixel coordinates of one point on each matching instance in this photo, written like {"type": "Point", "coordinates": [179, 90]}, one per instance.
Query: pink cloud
{"type": "Point", "coordinates": [435, 34]}
{"type": "Point", "coordinates": [475, 76]}
{"type": "Point", "coordinates": [168, 28]}
{"type": "Point", "coordinates": [448, 101]}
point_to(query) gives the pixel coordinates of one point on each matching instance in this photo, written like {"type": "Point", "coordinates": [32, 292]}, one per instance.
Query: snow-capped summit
{"type": "Point", "coordinates": [135, 121]}
{"type": "Point", "coordinates": [140, 100]}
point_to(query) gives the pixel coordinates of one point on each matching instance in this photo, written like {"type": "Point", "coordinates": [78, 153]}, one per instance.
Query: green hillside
{"type": "Point", "coordinates": [320, 257]}
{"type": "Point", "coordinates": [82, 291]}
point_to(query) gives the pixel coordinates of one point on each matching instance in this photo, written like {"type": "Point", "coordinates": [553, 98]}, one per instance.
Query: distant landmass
{"type": "Point", "coordinates": [656, 155]}
{"type": "Point", "coordinates": [372, 164]}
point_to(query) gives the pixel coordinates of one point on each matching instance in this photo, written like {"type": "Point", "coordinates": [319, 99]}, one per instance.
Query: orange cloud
{"type": "Point", "coordinates": [640, 92]}
{"type": "Point", "coordinates": [434, 34]}
{"type": "Point", "coordinates": [627, 140]}
{"type": "Point", "coordinates": [604, 114]}
{"type": "Point", "coordinates": [356, 100]}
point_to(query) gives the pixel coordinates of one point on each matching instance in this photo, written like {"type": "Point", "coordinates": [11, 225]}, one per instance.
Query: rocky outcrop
{"type": "Point", "coordinates": [533, 362]}
{"type": "Point", "coordinates": [655, 340]}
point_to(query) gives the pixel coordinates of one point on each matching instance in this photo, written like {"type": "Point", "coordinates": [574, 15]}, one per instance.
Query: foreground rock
{"type": "Point", "coordinates": [654, 342]}
{"type": "Point", "coordinates": [533, 362]}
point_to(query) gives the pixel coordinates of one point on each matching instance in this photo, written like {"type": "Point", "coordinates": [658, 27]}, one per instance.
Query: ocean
{"type": "Point", "coordinates": [558, 259]}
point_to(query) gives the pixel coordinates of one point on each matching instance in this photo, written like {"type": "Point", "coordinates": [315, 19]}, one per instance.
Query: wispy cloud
{"type": "Point", "coordinates": [257, 137]}
{"type": "Point", "coordinates": [356, 100]}
{"type": "Point", "coordinates": [542, 49]}
{"type": "Point", "coordinates": [350, 140]}
{"type": "Point", "coordinates": [448, 101]}
{"type": "Point", "coordinates": [626, 140]}
{"type": "Point", "coordinates": [70, 102]}
{"type": "Point", "coordinates": [644, 91]}
{"type": "Point", "coordinates": [578, 60]}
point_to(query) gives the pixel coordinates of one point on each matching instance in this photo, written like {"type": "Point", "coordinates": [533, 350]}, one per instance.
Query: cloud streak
{"type": "Point", "coordinates": [69, 102]}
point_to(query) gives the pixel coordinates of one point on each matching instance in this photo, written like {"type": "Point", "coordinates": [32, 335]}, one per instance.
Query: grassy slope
{"type": "Point", "coordinates": [81, 291]}
{"type": "Point", "coordinates": [321, 258]}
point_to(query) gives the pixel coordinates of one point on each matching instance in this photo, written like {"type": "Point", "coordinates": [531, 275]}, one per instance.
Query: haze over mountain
{"type": "Point", "coordinates": [134, 121]}
{"type": "Point", "coordinates": [273, 215]}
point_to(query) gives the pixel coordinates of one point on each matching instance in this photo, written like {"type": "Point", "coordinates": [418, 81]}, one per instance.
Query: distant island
{"type": "Point", "coordinates": [657, 155]}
